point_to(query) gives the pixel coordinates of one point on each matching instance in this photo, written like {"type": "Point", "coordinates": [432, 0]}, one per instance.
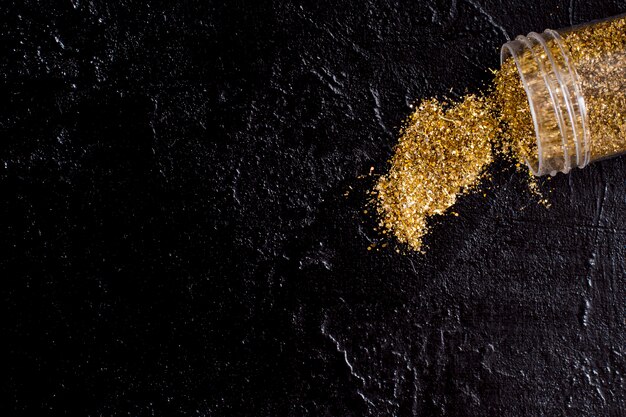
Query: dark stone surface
{"type": "Point", "coordinates": [182, 230]}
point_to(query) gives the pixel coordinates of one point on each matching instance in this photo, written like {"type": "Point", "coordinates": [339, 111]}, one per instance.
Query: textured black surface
{"type": "Point", "coordinates": [182, 227]}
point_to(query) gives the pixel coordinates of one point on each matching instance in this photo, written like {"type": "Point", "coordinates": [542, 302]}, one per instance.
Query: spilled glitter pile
{"type": "Point", "coordinates": [444, 150]}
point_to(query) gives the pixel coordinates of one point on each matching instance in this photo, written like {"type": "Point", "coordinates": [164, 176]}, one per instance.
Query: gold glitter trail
{"type": "Point", "coordinates": [510, 101]}
{"type": "Point", "coordinates": [444, 150]}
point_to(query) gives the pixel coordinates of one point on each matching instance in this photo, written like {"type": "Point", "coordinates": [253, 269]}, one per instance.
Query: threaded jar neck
{"type": "Point", "coordinates": [555, 99]}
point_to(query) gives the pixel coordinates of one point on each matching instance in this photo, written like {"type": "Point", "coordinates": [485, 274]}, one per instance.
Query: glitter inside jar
{"type": "Point", "coordinates": [575, 86]}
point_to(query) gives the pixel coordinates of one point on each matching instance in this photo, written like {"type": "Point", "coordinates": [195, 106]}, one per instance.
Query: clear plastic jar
{"type": "Point", "coordinates": [575, 82]}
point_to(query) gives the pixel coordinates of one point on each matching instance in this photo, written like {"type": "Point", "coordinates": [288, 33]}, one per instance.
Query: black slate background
{"type": "Point", "coordinates": [182, 227]}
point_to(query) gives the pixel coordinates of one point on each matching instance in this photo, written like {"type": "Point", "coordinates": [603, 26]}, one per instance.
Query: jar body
{"type": "Point", "coordinates": [575, 82]}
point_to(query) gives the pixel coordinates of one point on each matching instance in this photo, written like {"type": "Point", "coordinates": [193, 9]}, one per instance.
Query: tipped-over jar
{"type": "Point", "coordinates": [575, 83]}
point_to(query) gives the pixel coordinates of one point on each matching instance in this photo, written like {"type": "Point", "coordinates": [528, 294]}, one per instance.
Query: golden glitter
{"type": "Point", "coordinates": [445, 147]}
